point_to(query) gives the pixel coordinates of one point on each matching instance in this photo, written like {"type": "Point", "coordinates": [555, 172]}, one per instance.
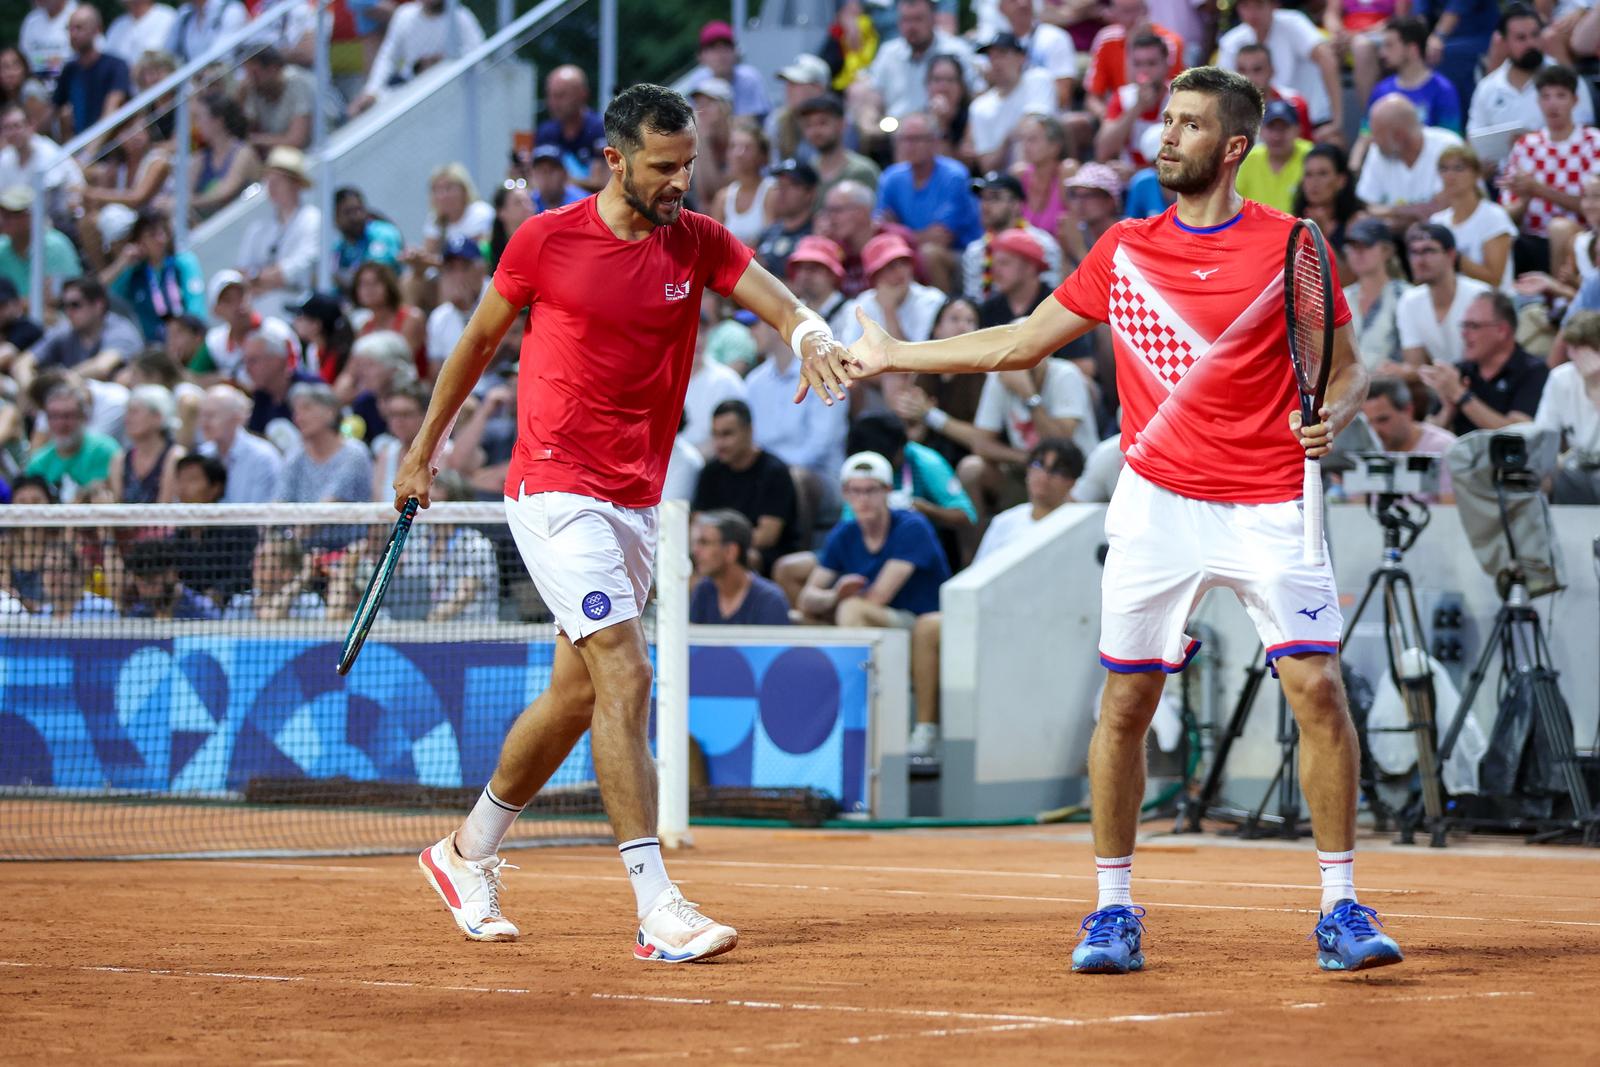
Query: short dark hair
{"type": "Point", "coordinates": [1149, 40]}
{"type": "Point", "coordinates": [1411, 30]}
{"type": "Point", "coordinates": [1504, 308]}
{"type": "Point", "coordinates": [882, 432]}
{"type": "Point", "coordinates": [732, 527]}
{"type": "Point", "coordinates": [156, 364]}
{"type": "Point", "coordinates": [347, 192]}
{"type": "Point", "coordinates": [147, 220]}
{"type": "Point", "coordinates": [1431, 231]}
{"type": "Point", "coordinates": [37, 482]}
{"type": "Point", "coordinates": [1239, 103]}
{"type": "Point", "coordinates": [644, 108]}
{"type": "Point", "coordinates": [88, 287]}
{"type": "Point", "coordinates": [1253, 47]}
{"type": "Point", "coordinates": [1557, 75]}
{"type": "Point", "coordinates": [1394, 390]}
{"type": "Point", "coordinates": [152, 557]}
{"type": "Point", "coordinates": [215, 473]}
{"type": "Point", "coordinates": [737, 408]}
{"type": "Point", "coordinates": [227, 111]}
{"type": "Point", "coordinates": [1068, 456]}
{"type": "Point", "coordinates": [1518, 11]}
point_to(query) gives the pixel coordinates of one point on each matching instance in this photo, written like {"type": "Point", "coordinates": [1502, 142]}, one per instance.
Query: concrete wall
{"type": "Point", "coordinates": [1020, 668]}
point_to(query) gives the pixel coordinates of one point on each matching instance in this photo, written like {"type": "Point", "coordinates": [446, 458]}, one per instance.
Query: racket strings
{"type": "Point", "coordinates": [1310, 303]}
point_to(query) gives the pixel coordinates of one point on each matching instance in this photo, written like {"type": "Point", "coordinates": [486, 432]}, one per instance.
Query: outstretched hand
{"type": "Point", "coordinates": [869, 355]}
{"type": "Point", "coordinates": [822, 369]}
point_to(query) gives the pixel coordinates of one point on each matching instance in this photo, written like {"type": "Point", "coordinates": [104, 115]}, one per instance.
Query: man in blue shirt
{"type": "Point", "coordinates": [157, 591]}
{"type": "Point", "coordinates": [92, 83]}
{"type": "Point", "coordinates": [728, 593]}
{"type": "Point", "coordinates": [931, 195]}
{"type": "Point", "coordinates": [719, 58]}
{"type": "Point", "coordinates": [552, 186]}
{"type": "Point", "coordinates": [1405, 40]}
{"type": "Point", "coordinates": [576, 130]}
{"type": "Point", "coordinates": [362, 237]}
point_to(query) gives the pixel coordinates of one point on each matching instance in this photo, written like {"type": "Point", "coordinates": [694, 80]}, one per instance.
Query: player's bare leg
{"type": "Point", "coordinates": [546, 731]}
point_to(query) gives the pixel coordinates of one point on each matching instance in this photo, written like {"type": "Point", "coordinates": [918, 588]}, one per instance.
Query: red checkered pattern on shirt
{"type": "Point", "coordinates": [1143, 331]}
{"type": "Point", "coordinates": [1561, 165]}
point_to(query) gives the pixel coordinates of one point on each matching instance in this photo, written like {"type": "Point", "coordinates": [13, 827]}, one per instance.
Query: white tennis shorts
{"type": "Point", "coordinates": [592, 561]}
{"type": "Point", "coordinates": [1165, 551]}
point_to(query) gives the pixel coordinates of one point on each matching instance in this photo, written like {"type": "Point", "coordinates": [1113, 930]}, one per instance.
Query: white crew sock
{"type": "Point", "coordinates": [1338, 877]}
{"type": "Point", "coordinates": [642, 858]}
{"type": "Point", "coordinates": [490, 820]}
{"type": "Point", "coordinates": [1115, 874]}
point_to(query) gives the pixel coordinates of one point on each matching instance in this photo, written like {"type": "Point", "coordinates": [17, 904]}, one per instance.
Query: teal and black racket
{"type": "Point", "coordinates": [367, 610]}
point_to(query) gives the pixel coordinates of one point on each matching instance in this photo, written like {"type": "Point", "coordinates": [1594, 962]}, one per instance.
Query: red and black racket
{"type": "Point", "coordinates": [1308, 308]}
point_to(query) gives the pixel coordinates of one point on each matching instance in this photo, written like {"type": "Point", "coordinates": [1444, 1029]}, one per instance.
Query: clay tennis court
{"type": "Point", "coordinates": [909, 947]}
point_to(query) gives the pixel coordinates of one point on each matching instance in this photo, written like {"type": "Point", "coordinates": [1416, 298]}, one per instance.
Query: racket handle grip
{"type": "Point", "coordinates": [1315, 548]}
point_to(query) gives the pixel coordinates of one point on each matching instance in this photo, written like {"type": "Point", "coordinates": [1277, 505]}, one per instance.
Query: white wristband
{"type": "Point", "coordinates": [936, 419]}
{"type": "Point", "coordinates": [806, 328]}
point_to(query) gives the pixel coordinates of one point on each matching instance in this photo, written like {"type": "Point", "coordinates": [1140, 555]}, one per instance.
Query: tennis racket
{"type": "Point", "coordinates": [367, 610]}
{"type": "Point", "coordinates": [1308, 309]}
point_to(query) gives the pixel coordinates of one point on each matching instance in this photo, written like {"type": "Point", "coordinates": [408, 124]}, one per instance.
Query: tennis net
{"type": "Point", "coordinates": [167, 682]}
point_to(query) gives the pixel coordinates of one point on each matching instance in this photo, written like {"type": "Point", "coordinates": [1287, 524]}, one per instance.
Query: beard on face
{"type": "Point", "coordinates": [652, 213]}
{"type": "Point", "coordinates": [1530, 60]}
{"type": "Point", "coordinates": [1193, 175]}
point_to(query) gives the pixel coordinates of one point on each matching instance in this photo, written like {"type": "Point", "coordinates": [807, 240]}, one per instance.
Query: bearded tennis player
{"type": "Point", "coordinates": [613, 283]}
{"type": "Point", "coordinates": [1210, 496]}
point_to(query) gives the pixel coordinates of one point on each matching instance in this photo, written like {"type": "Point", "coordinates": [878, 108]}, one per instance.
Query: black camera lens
{"type": "Point", "coordinates": [1508, 453]}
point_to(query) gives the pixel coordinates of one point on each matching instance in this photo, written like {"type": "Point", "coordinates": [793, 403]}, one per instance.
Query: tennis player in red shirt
{"type": "Point", "coordinates": [613, 284]}
{"type": "Point", "coordinates": [1210, 496]}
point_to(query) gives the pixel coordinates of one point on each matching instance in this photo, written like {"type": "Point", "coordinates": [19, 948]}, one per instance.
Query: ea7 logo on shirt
{"type": "Point", "coordinates": [677, 292]}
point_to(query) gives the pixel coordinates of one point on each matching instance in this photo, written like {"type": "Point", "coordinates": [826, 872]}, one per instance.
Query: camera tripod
{"type": "Point", "coordinates": [1409, 667]}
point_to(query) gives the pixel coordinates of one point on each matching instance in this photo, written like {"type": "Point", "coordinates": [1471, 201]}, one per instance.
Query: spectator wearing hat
{"type": "Point", "coordinates": [815, 273]}
{"type": "Point", "coordinates": [1429, 315]}
{"type": "Point", "coordinates": [1400, 175]}
{"type": "Point", "coordinates": [847, 220]}
{"type": "Point", "coordinates": [904, 307]}
{"type": "Point", "coordinates": [727, 593]}
{"type": "Point", "coordinates": [896, 83]}
{"type": "Point", "coordinates": [755, 483]}
{"type": "Point", "coordinates": [252, 466]}
{"type": "Point", "coordinates": [24, 152]}
{"type": "Point", "coordinates": [929, 195]}
{"type": "Point", "coordinates": [1136, 107]}
{"type": "Point", "coordinates": [1254, 61]}
{"type": "Point", "coordinates": [278, 99]}
{"type": "Point", "coordinates": [420, 34]}
{"type": "Point", "coordinates": [1018, 263]}
{"type": "Point", "coordinates": [719, 58]}
{"type": "Point", "coordinates": [16, 252]}
{"type": "Point", "coordinates": [1271, 170]}
{"type": "Point", "coordinates": [1000, 211]}
{"type": "Point", "coordinates": [822, 126]}
{"type": "Point", "coordinates": [362, 238]}
{"type": "Point", "coordinates": [461, 282]}
{"type": "Point", "coordinates": [232, 306]}
{"type": "Point", "coordinates": [804, 79]}
{"type": "Point", "coordinates": [552, 184]}
{"type": "Point", "coordinates": [1484, 232]}
{"type": "Point", "coordinates": [1093, 195]}
{"type": "Point", "coordinates": [1014, 90]}
{"type": "Point", "coordinates": [1108, 53]}
{"type": "Point", "coordinates": [91, 339]}
{"type": "Point", "coordinates": [158, 283]}
{"type": "Point", "coordinates": [278, 255]}
{"type": "Point", "coordinates": [574, 129]}
{"type": "Point", "coordinates": [794, 199]}
{"type": "Point", "coordinates": [1374, 292]}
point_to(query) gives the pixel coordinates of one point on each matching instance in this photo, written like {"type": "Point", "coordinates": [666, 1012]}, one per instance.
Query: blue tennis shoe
{"type": "Point", "coordinates": [1110, 942]}
{"type": "Point", "coordinates": [1348, 941]}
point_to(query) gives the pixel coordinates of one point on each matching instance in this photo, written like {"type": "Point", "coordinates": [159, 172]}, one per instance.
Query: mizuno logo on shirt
{"type": "Point", "coordinates": [1204, 274]}
{"type": "Point", "coordinates": [677, 292]}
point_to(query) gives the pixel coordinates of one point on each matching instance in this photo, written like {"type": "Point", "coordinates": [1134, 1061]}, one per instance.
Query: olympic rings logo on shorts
{"type": "Point", "coordinates": [597, 605]}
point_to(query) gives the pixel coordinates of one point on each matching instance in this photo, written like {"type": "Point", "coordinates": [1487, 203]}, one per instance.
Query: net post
{"type": "Point", "coordinates": [672, 675]}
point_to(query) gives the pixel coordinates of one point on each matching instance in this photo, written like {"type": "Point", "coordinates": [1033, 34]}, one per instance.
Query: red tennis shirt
{"type": "Point", "coordinates": [610, 344]}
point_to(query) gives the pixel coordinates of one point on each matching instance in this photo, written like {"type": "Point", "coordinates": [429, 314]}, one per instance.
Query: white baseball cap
{"type": "Point", "coordinates": [867, 465]}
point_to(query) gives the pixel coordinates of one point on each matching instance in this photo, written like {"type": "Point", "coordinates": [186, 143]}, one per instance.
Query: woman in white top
{"type": "Point", "coordinates": [1570, 405]}
{"type": "Point", "coordinates": [1482, 229]}
{"type": "Point", "coordinates": [454, 212]}
{"type": "Point", "coordinates": [1374, 294]}
{"type": "Point", "coordinates": [744, 205]}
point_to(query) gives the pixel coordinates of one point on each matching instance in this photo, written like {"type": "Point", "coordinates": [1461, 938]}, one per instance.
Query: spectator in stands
{"type": "Point", "coordinates": [794, 198]}
{"type": "Point", "coordinates": [215, 560]}
{"type": "Point", "coordinates": [461, 282]}
{"type": "Point", "coordinates": [815, 274]}
{"type": "Point", "coordinates": [156, 281]}
{"type": "Point", "coordinates": [896, 83]}
{"type": "Point", "coordinates": [281, 578]}
{"type": "Point", "coordinates": [92, 339]}
{"type": "Point", "coordinates": [808, 76]}
{"type": "Point", "coordinates": [1400, 180]}
{"type": "Point", "coordinates": [744, 204]}
{"type": "Point", "coordinates": [899, 303]}
{"type": "Point", "coordinates": [149, 469]}
{"type": "Point", "coordinates": [155, 588]}
{"type": "Point", "coordinates": [379, 363]}
{"type": "Point", "coordinates": [402, 406]}
{"type": "Point", "coordinates": [455, 213]}
{"type": "Point", "coordinates": [1429, 316]}
{"type": "Point", "coordinates": [719, 58]}
{"type": "Point", "coordinates": [251, 467]}
{"type": "Point", "coordinates": [808, 437]}
{"type": "Point", "coordinates": [273, 376]}
{"type": "Point", "coordinates": [822, 125]}
{"type": "Point", "coordinates": [363, 238]}
{"type": "Point", "coordinates": [1049, 48]}
{"type": "Point", "coordinates": [19, 88]}
{"type": "Point", "coordinates": [186, 342]}
{"type": "Point", "coordinates": [574, 128]}
{"type": "Point", "coordinates": [226, 163]}
{"type": "Point", "coordinates": [949, 105]}
{"type": "Point", "coordinates": [1388, 410]}
{"type": "Point", "coordinates": [16, 240]}
{"type": "Point", "coordinates": [75, 458]}
{"type": "Point", "coordinates": [202, 23]}
{"type": "Point", "coordinates": [22, 550]}
{"type": "Point", "coordinates": [1405, 42]}
{"type": "Point", "coordinates": [932, 399]}
{"type": "Point", "coordinates": [1135, 108]}
{"type": "Point", "coordinates": [463, 571]}
{"type": "Point", "coordinates": [551, 184]}
{"type": "Point", "coordinates": [1373, 293]}
{"type": "Point", "coordinates": [278, 100]}
{"type": "Point", "coordinates": [24, 152]}
{"type": "Point", "coordinates": [380, 306]}
{"type": "Point", "coordinates": [710, 385]}
{"type": "Point", "coordinates": [846, 219]}
{"type": "Point", "coordinates": [1000, 200]}
{"type": "Point", "coordinates": [325, 335]}
{"type": "Point", "coordinates": [144, 26]}
{"type": "Point", "coordinates": [1506, 98]}
{"type": "Point", "coordinates": [1254, 61]}
{"type": "Point", "coordinates": [1302, 57]}
{"type": "Point", "coordinates": [1572, 249]}
{"type": "Point", "coordinates": [929, 194]}
{"type": "Point", "coordinates": [751, 481]}
{"type": "Point", "coordinates": [420, 34]}
{"type": "Point", "coordinates": [1108, 57]}
{"type": "Point", "coordinates": [1482, 229]}
{"type": "Point", "coordinates": [712, 100]}
{"type": "Point", "coordinates": [727, 592]}
{"type": "Point", "coordinates": [1093, 196]}
{"type": "Point", "coordinates": [329, 466]}
{"type": "Point", "coordinates": [65, 576]}
{"type": "Point", "coordinates": [92, 83]}
{"type": "Point", "coordinates": [1496, 383]}
{"type": "Point", "coordinates": [1327, 193]}
{"type": "Point", "coordinates": [1272, 170]}
{"type": "Point", "coordinates": [1054, 465]}
{"type": "Point", "coordinates": [232, 307]}
{"type": "Point", "coordinates": [1570, 405]}
{"type": "Point", "coordinates": [45, 39]}
{"type": "Point", "coordinates": [1014, 90]}
{"type": "Point", "coordinates": [278, 254]}
{"type": "Point", "coordinates": [1043, 166]}
{"type": "Point", "coordinates": [108, 400]}
{"type": "Point", "coordinates": [18, 333]}
{"type": "Point", "coordinates": [1544, 175]}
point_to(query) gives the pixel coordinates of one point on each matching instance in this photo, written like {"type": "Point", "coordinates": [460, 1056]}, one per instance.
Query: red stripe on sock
{"type": "Point", "coordinates": [1326, 862]}
{"type": "Point", "coordinates": [1113, 866]}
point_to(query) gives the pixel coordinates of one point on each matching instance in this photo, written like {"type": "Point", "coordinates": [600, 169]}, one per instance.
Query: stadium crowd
{"type": "Point", "coordinates": [940, 181]}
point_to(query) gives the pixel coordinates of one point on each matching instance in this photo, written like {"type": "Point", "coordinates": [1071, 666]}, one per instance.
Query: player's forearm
{"type": "Point", "coordinates": [997, 348]}
{"type": "Point", "coordinates": [459, 374]}
{"type": "Point", "coordinates": [1347, 391]}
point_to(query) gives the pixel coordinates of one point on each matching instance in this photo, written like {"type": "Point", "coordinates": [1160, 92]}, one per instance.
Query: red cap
{"type": "Point", "coordinates": [883, 250]}
{"type": "Point", "coordinates": [712, 32]}
{"type": "Point", "coordinates": [821, 251]}
{"type": "Point", "coordinates": [1020, 243]}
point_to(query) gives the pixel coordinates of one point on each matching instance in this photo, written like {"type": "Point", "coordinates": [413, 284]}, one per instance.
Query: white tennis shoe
{"type": "Point", "coordinates": [470, 889]}
{"type": "Point", "coordinates": [672, 931]}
